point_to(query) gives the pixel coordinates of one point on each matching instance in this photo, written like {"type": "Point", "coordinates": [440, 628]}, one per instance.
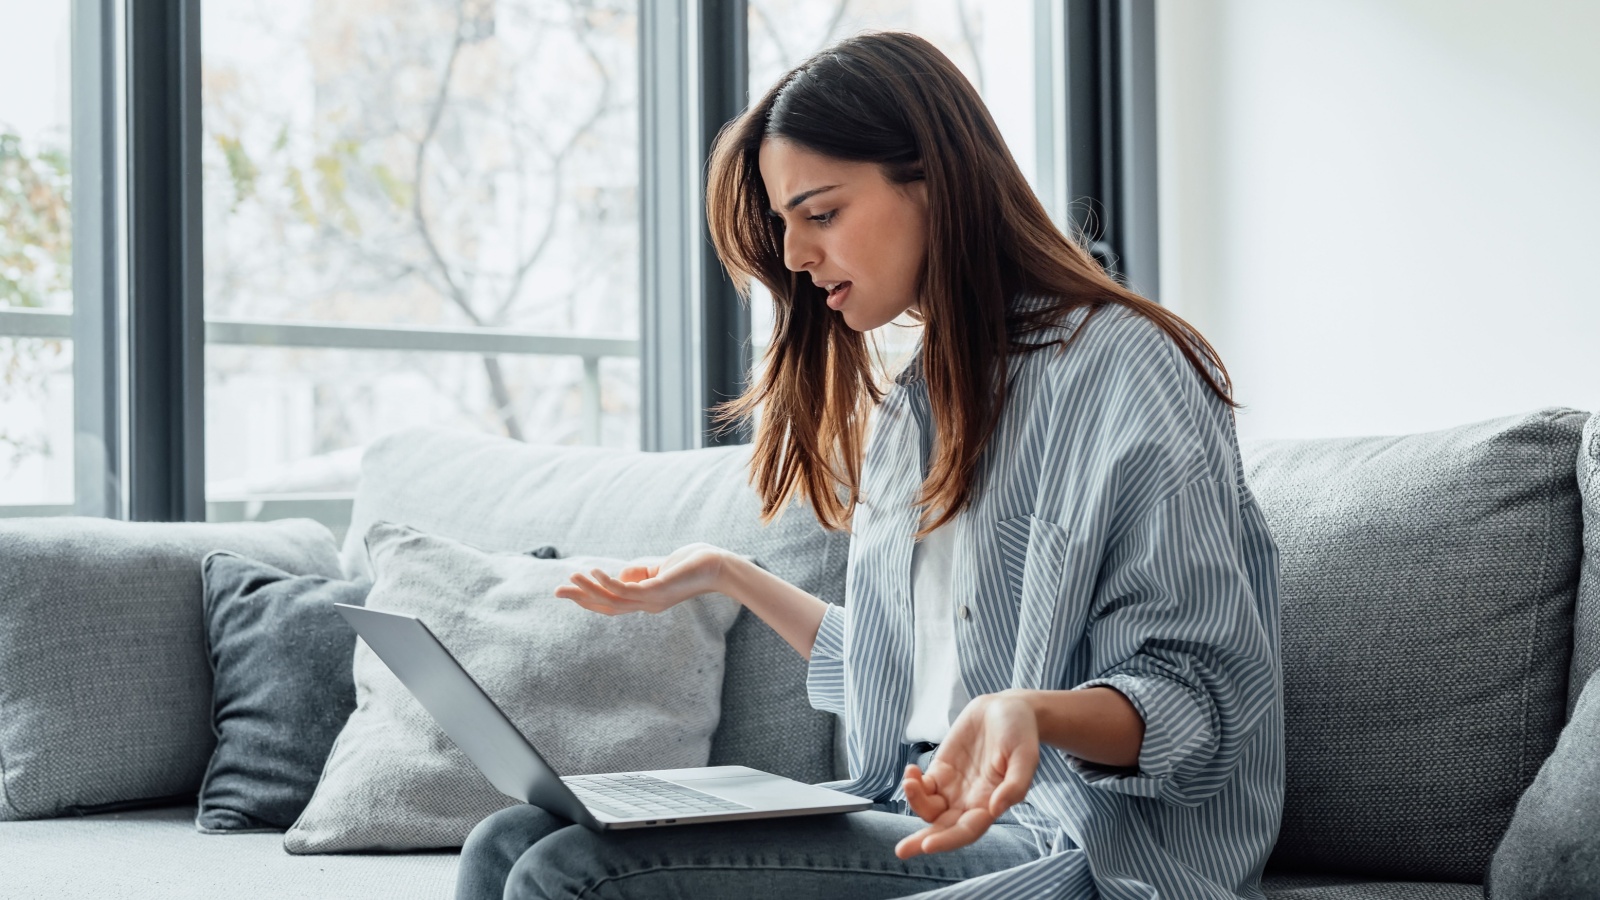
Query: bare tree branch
{"type": "Point", "coordinates": [420, 174]}
{"type": "Point", "coordinates": [491, 364]}
{"type": "Point", "coordinates": [557, 175]}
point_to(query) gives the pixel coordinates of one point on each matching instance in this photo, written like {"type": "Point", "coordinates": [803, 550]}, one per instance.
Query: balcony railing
{"type": "Point", "coordinates": [332, 509]}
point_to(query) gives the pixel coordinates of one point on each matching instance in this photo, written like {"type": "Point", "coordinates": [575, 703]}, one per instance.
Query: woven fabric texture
{"type": "Point", "coordinates": [1320, 887]}
{"type": "Point", "coordinates": [503, 495]}
{"type": "Point", "coordinates": [281, 689]}
{"type": "Point", "coordinates": [158, 853]}
{"type": "Point", "coordinates": [1552, 848]}
{"type": "Point", "coordinates": [1428, 588]}
{"type": "Point", "coordinates": [105, 691]}
{"type": "Point", "coordinates": [592, 693]}
{"type": "Point", "coordinates": [1586, 621]}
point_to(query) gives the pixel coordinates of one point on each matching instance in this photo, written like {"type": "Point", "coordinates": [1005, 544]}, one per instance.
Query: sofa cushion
{"type": "Point", "coordinates": [499, 494]}
{"type": "Point", "coordinates": [1334, 887]}
{"type": "Point", "coordinates": [1586, 622]}
{"type": "Point", "coordinates": [591, 692]}
{"type": "Point", "coordinates": [158, 853]}
{"type": "Point", "coordinates": [105, 692]}
{"type": "Point", "coordinates": [281, 689]}
{"type": "Point", "coordinates": [1428, 588]}
{"type": "Point", "coordinates": [1552, 848]}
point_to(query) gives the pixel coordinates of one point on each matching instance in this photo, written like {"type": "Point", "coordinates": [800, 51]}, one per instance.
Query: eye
{"type": "Point", "coordinates": [824, 218]}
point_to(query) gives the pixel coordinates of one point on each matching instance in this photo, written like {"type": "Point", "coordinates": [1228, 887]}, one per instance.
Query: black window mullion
{"type": "Point", "coordinates": [1111, 170]}
{"type": "Point", "coordinates": [724, 93]}
{"type": "Point", "coordinates": [166, 325]}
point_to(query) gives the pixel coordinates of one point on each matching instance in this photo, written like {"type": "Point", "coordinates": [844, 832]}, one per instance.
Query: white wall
{"type": "Point", "coordinates": [1385, 213]}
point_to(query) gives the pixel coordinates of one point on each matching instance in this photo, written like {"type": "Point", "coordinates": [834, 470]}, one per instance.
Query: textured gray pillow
{"type": "Point", "coordinates": [105, 688]}
{"type": "Point", "coordinates": [280, 689]}
{"type": "Point", "coordinates": [1586, 621]}
{"type": "Point", "coordinates": [1428, 587]}
{"type": "Point", "coordinates": [1552, 849]}
{"type": "Point", "coordinates": [593, 693]}
{"type": "Point", "coordinates": [503, 495]}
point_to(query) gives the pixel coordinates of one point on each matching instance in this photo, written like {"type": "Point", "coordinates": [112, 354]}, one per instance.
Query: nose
{"type": "Point", "coordinates": [799, 253]}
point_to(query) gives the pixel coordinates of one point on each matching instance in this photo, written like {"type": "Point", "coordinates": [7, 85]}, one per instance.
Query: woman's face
{"type": "Point", "coordinates": [845, 224]}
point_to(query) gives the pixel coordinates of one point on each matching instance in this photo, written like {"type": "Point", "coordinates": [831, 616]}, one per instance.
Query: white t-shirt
{"type": "Point", "coordinates": [937, 694]}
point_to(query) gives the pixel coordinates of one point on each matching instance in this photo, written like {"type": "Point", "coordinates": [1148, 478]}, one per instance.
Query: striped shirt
{"type": "Point", "coordinates": [1112, 541]}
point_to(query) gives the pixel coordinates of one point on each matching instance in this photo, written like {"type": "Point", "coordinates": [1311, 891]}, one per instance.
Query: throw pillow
{"type": "Point", "coordinates": [1428, 583]}
{"type": "Point", "coordinates": [593, 693]}
{"type": "Point", "coordinates": [105, 692]}
{"type": "Point", "coordinates": [1552, 849]}
{"type": "Point", "coordinates": [281, 689]}
{"type": "Point", "coordinates": [499, 494]}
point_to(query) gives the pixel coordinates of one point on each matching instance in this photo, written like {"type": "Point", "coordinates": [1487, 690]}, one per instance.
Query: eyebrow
{"type": "Point", "coordinates": [798, 199]}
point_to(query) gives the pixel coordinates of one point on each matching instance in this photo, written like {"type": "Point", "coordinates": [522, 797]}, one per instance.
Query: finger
{"type": "Point", "coordinates": [593, 598]}
{"type": "Point", "coordinates": [634, 592]}
{"type": "Point", "coordinates": [1011, 791]}
{"type": "Point", "coordinates": [911, 845]}
{"type": "Point", "coordinates": [593, 588]}
{"type": "Point", "coordinates": [636, 573]}
{"type": "Point", "coordinates": [610, 582]}
{"type": "Point", "coordinates": [927, 805]}
{"type": "Point", "coordinates": [968, 828]}
{"type": "Point", "coordinates": [594, 607]}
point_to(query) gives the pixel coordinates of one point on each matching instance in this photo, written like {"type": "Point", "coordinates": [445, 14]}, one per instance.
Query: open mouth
{"type": "Point", "coordinates": [836, 293]}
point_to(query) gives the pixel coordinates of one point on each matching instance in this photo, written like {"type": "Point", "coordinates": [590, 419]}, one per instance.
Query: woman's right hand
{"type": "Point", "coordinates": [651, 584]}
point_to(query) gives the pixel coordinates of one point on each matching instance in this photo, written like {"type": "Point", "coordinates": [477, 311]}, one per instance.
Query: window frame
{"type": "Point", "coordinates": [138, 322]}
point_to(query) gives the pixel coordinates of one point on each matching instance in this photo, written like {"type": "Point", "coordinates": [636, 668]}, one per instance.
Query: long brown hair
{"type": "Point", "coordinates": [892, 98]}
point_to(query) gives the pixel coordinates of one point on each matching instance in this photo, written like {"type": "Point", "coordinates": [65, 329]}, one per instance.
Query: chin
{"type": "Point", "coordinates": [859, 321]}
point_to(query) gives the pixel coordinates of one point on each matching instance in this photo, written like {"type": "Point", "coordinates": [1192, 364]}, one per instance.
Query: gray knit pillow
{"type": "Point", "coordinates": [503, 495]}
{"type": "Point", "coordinates": [593, 693]}
{"type": "Point", "coordinates": [1428, 585]}
{"type": "Point", "coordinates": [1552, 849]}
{"type": "Point", "coordinates": [105, 689]}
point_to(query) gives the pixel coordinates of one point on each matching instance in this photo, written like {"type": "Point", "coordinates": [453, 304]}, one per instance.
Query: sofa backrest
{"type": "Point", "coordinates": [1430, 587]}
{"type": "Point", "coordinates": [105, 685]}
{"type": "Point", "coordinates": [1429, 584]}
{"type": "Point", "coordinates": [501, 495]}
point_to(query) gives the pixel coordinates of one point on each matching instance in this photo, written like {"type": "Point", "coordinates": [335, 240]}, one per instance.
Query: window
{"type": "Point", "coordinates": [36, 304]}
{"type": "Point", "coordinates": [240, 241]}
{"type": "Point", "coordinates": [416, 212]}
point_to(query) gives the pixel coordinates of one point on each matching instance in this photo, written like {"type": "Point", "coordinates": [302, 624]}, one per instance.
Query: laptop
{"type": "Point", "coordinates": [600, 802]}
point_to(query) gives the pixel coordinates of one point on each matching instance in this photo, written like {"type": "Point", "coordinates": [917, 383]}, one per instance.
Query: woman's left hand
{"type": "Point", "coordinates": [984, 767]}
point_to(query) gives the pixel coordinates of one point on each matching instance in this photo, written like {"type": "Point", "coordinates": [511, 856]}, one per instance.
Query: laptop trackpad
{"type": "Point", "coordinates": [749, 789]}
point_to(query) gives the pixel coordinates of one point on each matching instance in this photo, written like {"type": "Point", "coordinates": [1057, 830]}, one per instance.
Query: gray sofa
{"type": "Point", "coordinates": [1440, 616]}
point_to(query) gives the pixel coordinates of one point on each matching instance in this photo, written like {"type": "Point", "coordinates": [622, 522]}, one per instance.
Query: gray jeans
{"type": "Point", "coordinates": [525, 853]}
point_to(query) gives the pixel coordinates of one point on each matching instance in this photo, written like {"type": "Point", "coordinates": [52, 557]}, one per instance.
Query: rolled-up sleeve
{"type": "Point", "coordinates": [1177, 630]}
{"type": "Point", "coordinates": [825, 674]}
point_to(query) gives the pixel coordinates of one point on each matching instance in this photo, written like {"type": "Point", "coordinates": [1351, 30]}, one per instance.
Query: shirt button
{"type": "Point", "coordinates": [965, 612]}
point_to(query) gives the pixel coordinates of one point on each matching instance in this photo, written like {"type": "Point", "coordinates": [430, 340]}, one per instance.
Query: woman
{"type": "Point", "coordinates": [1058, 661]}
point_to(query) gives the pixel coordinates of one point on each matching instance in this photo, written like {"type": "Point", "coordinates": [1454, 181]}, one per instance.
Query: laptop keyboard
{"type": "Point", "coordinates": [628, 795]}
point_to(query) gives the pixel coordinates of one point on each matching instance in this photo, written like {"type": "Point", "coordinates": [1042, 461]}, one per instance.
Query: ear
{"type": "Point", "coordinates": [917, 190]}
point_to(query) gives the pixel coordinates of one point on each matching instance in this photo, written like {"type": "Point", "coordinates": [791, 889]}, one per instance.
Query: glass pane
{"type": "Point", "coordinates": [430, 164]}
{"type": "Point", "coordinates": [992, 42]}
{"type": "Point", "coordinates": [36, 427]}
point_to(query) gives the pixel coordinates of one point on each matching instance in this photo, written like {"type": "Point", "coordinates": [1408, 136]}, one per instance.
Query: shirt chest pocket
{"type": "Point", "coordinates": [1031, 553]}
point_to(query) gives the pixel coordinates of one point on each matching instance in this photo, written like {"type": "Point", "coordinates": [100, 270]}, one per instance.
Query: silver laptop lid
{"type": "Point", "coordinates": [476, 724]}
